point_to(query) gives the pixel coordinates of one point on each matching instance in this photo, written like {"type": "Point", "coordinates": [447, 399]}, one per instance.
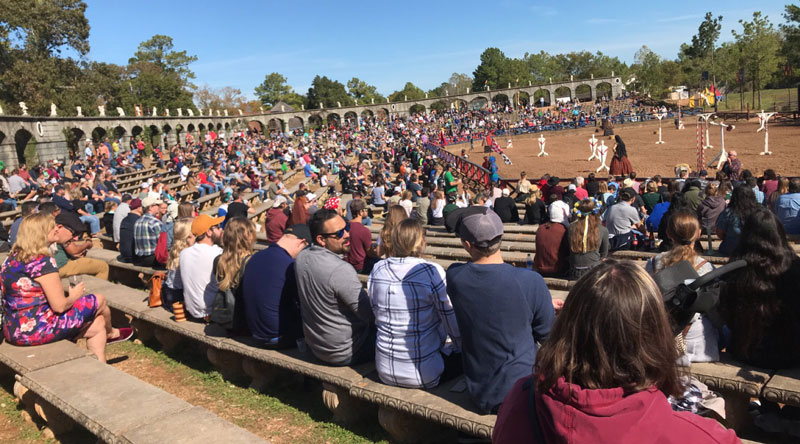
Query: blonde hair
{"type": "Point", "coordinates": [32, 237]}
{"type": "Point", "coordinates": [237, 246]}
{"type": "Point", "coordinates": [181, 240]}
{"type": "Point", "coordinates": [393, 219]}
{"type": "Point", "coordinates": [408, 239]}
{"type": "Point", "coordinates": [535, 195]}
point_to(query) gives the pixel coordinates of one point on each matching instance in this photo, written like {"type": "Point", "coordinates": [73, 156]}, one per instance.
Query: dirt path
{"type": "Point", "coordinates": [284, 415]}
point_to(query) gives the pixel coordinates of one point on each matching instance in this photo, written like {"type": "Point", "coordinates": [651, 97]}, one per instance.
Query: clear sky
{"type": "Point", "coordinates": [389, 43]}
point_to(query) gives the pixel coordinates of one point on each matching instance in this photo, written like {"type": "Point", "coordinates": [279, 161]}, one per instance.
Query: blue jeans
{"type": "Point", "coordinates": [366, 221]}
{"type": "Point", "coordinates": [112, 199]}
{"type": "Point", "coordinates": [89, 208]}
{"type": "Point", "coordinates": [261, 193]}
{"type": "Point", "coordinates": [94, 223]}
{"type": "Point", "coordinates": [12, 202]}
{"type": "Point", "coordinates": [208, 188]}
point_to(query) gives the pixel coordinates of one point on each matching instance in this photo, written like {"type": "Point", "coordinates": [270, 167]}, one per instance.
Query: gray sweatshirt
{"type": "Point", "coordinates": [334, 305]}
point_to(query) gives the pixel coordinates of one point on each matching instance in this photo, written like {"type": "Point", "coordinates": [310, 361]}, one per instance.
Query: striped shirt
{"type": "Point", "coordinates": [414, 317]}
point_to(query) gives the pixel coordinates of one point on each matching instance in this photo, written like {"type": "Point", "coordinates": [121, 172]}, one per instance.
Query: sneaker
{"type": "Point", "coordinates": [125, 333]}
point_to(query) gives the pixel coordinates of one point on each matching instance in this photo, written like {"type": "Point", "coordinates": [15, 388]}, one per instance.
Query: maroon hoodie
{"type": "Point", "coordinates": [570, 414]}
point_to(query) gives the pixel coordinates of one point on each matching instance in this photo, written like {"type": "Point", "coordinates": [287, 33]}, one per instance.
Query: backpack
{"type": "Point", "coordinates": [223, 310]}
{"type": "Point", "coordinates": [655, 216]}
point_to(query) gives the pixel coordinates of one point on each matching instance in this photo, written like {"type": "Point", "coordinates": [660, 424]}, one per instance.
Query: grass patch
{"type": "Point", "coordinates": [784, 99]}
{"type": "Point", "coordinates": [12, 420]}
{"type": "Point", "coordinates": [299, 409]}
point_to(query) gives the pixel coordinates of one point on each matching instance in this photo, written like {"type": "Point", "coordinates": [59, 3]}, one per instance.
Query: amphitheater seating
{"type": "Point", "coordinates": [50, 386]}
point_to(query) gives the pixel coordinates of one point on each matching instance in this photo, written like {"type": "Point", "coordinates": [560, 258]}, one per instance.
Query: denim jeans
{"type": "Point", "coordinates": [12, 202]}
{"type": "Point", "coordinates": [93, 221]}
{"type": "Point", "coordinates": [208, 188]}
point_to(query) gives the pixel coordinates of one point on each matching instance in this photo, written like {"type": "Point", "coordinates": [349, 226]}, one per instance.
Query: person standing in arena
{"type": "Point", "coordinates": [620, 165]}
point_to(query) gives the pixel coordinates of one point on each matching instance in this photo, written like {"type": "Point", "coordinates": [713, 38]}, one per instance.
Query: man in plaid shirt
{"type": "Point", "coordinates": [147, 233]}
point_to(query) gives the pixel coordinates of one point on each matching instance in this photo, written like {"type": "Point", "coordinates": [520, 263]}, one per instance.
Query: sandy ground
{"type": "Point", "coordinates": [569, 150]}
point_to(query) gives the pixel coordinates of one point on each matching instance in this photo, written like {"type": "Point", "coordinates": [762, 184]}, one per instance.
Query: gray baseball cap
{"type": "Point", "coordinates": [479, 226]}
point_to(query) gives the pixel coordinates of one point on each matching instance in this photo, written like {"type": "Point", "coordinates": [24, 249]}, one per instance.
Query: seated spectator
{"type": "Point", "coordinates": [498, 344]}
{"type": "Point", "coordinates": [27, 209]}
{"type": "Point", "coordinates": [126, 231]}
{"type": "Point", "coordinates": [621, 221]}
{"type": "Point", "coordinates": [272, 308]}
{"type": "Point", "coordinates": [72, 246]}
{"type": "Point", "coordinates": [238, 208]}
{"type": "Point", "coordinates": [729, 224]}
{"type": "Point", "coordinates": [361, 254]}
{"type": "Point", "coordinates": [535, 209]}
{"type": "Point", "coordinates": [759, 302]}
{"type": "Point", "coordinates": [196, 265]}
{"type": "Point", "coordinates": [150, 235]}
{"type": "Point", "coordinates": [172, 288]}
{"type": "Point", "coordinates": [335, 308]}
{"type": "Point", "coordinates": [276, 220]}
{"type": "Point", "coordinates": [752, 182]}
{"type": "Point", "coordinates": [393, 218]}
{"type": "Point", "coordinates": [35, 310]}
{"type": "Point", "coordinates": [120, 214]}
{"type": "Point", "coordinates": [587, 239]}
{"type": "Point", "coordinates": [787, 208]}
{"type": "Point", "coordinates": [406, 203]}
{"type": "Point", "coordinates": [702, 338]}
{"type": "Point", "coordinates": [692, 194]}
{"type": "Point", "coordinates": [423, 202]}
{"type": "Point", "coordinates": [711, 207]}
{"type": "Point", "coordinates": [605, 373]}
{"type": "Point", "coordinates": [299, 215]}
{"type": "Point", "coordinates": [506, 208]}
{"type": "Point", "coordinates": [552, 246]}
{"type": "Point", "coordinates": [651, 197]}
{"type": "Point", "coordinates": [523, 188]}
{"type": "Point", "coordinates": [413, 314]}
{"type": "Point", "coordinates": [580, 191]}
{"type": "Point", "coordinates": [108, 216]}
{"type": "Point", "coordinates": [237, 247]}
{"type": "Point", "coordinates": [437, 208]}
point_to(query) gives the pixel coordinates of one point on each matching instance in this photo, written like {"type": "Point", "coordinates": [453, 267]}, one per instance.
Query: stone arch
{"type": "Point", "coordinates": [98, 134]}
{"type": "Point", "coordinates": [501, 99]}
{"type": "Point", "coordinates": [540, 94]}
{"type": "Point", "coordinates": [383, 113]}
{"type": "Point", "coordinates": [315, 121]}
{"type": "Point", "coordinates": [190, 128]}
{"type": "Point", "coordinates": [255, 126]}
{"type": "Point", "coordinates": [351, 117]}
{"type": "Point", "coordinates": [417, 108]}
{"type": "Point", "coordinates": [166, 129]}
{"type": "Point", "coordinates": [459, 104]}
{"type": "Point", "coordinates": [155, 132]}
{"type": "Point", "coordinates": [439, 106]}
{"type": "Point", "coordinates": [275, 124]}
{"type": "Point", "coordinates": [563, 92]}
{"type": "Point", "coordinates": [295, 122]}
{"type": "Point", "coordinates": [583, 92]}
{"type": "Point", "coordinates": [25, 144]}
{"type": "Point", "coordinates": [521, 98]}
{"type": "Point", "coordinates": [137, 131]}
{"type": "Point", "coordinates": [201, 128]}
{"type": "Point", "coordinates": [603, 89]}
{"type": "Point", "coordinates": [219, 127]}
{"type": "Point", "coordinates": [334, 119]}
{"type": "Point", "coordinates": [478, 102]}
{"type": "Point", "coordinates": [227, 126]}
{"type": "Point", "coordinates": [119, 132]}
{"type": "Point", "coordinates": [367, 113]}
{"type": "Point", "coordinates": [179, 130]}
{"type": "Point", "coordinates": [210, 126]}
{"type": "Point", "coordinates": [74, 137]}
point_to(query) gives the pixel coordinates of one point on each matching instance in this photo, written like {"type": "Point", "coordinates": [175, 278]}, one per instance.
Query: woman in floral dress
{"type": "Point", "coordinates": [35, 310]}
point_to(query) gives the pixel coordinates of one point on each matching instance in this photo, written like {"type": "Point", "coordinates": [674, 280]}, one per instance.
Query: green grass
{"type": "Point", "coordinates": [771, 99]}
{"type": "Point", "coordinates": [302, 406]}
{"type": "Point", "coordinates": [28, 433]}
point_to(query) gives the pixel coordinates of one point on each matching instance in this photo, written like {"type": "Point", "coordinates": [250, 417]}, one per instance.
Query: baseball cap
{"type": "Point", "coordinates": [627, 183]}
{"type": "Point", "coordinates": [145, 185]}
{"type": "Point", "coordinates": [506, 192]}
{"type": "Point", "coordinates": [203, 222]}
{"type": "Point", "coordinates": [279, 200]}
{"type": "Point", "coordinates": [301, 231]}
{"type": "Point", "coordinates": [149, 201]}
{"type": "Point", "coordinates": [135, 203]}
{"type": "Point", "coordinates": [71, 221]}
{"type": "Point", "coordinates": [479, 226]}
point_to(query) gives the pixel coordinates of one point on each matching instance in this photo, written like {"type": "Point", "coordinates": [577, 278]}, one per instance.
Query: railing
{"type": "Point", "coordinates": [470, 170]}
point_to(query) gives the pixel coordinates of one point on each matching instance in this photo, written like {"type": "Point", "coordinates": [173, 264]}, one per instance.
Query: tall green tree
{"type": "Point", "coordinates": [409, 92]}
{"type": "Point", "coordinates": [699, 56]}
{"type": "Point", "coordinates": [760, 44]}
{"type": "Point", "coordinates": [328, 92]}
{"type": "Point", "coordinates": [46, 27]}
{"type": "Point", "coordinates": [159, 51]}
{"type": "Point", "coordinates": [791, 39]}
{"type": "Point", "coordinates": [498, 71]}
{"type": "Point", "coordinates": [363, 92]}
{"type": "Point", "coordinates": [456, 84]}
{"type": "Point", "coordinates": [274, 89]}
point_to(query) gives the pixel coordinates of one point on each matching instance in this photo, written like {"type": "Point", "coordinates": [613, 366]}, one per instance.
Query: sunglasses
{"type": "Point", "coordinates": [338, 234]}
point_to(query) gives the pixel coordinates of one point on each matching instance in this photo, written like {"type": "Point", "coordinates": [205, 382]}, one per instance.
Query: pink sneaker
{"type": "Point", "coordinates": [125, 333]}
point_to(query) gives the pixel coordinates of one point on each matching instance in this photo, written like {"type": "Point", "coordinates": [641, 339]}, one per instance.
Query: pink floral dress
{"type": "Point", "coordinates": [27, 317]}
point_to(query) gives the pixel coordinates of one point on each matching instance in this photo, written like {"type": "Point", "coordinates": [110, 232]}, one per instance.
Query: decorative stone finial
{"type": "Point", "coordinates": [53, 110]}
{"type": "Point", "coordinates": [102, 110]}
{"type": "Point", "coordinates": [120, 112]}
{"type": "Point", "coordinates": [77, 108]}
{"type": "Point", "coordinates": [24, 108]}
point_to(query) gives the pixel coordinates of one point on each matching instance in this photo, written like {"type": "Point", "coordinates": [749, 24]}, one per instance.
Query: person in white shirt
{"type": "Point", "coordinates": [184, 173]}
{"type": "Point", "coordinates": [196, 265]}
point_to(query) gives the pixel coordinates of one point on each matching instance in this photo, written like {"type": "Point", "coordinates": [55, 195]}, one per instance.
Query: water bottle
{"type": "Point", "coordinates": [529, 262]}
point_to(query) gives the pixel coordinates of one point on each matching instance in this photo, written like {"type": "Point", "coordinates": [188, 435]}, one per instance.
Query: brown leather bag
{"type": "Point", "coordinates": [155, 288]}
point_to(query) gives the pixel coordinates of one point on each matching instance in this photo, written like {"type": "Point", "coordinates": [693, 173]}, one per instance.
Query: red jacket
{"type": "Point", "coordinates": [570, 414]}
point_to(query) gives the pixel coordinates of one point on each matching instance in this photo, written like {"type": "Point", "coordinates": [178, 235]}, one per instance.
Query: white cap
{"type": "Point", "coordinates": [279, 200]}
{"type": "Point", "coordinates": [311, 196]}
{"type": "Point", "coordinates": [506, 192]}
{"type": "Point", "coordinates": [145, 185]}
{"type": "Point", "coordinates": [149, 201]}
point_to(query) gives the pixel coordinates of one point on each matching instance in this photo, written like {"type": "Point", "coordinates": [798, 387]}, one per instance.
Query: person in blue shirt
{"type": "Point", "coordinates": [272, 309]}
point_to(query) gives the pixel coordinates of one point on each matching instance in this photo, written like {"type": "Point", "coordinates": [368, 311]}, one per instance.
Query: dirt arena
{"type": "Point", "coordinates": [569, 150]}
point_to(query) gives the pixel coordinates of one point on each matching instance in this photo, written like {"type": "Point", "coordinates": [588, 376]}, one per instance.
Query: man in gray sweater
{"type": "Point", "coordinates": [337, 317]}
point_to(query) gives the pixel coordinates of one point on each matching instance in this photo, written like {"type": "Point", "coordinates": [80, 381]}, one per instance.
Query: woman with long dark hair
{"type": "Point", "coordinates": [604, 373]}
{"type": "Point", "coordinates": [761, 303]}
{"type": "Point", "coordinates": [730, 221]}
{"type": "Point", "coordinates": [620, 165]}
{"type": "Point", "coordinates": [588, 238]}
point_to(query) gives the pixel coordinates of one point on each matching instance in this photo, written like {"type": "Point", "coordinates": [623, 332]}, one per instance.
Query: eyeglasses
{"type": "Point", "coordinates": [338, 234]}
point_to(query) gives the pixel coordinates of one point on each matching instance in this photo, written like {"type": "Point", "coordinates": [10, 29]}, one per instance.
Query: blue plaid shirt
{"type": "Point", "coordinates": [415, 319]}
{"type": "Point", "coordinates": [145, 234]}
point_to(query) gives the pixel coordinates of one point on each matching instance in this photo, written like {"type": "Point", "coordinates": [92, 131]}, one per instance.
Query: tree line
{"type": "Point", "coordinates": [43, 45]}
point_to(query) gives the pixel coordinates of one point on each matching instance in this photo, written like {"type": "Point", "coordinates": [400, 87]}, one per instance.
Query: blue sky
{"type": "Point", "coordinates": [389, 43]}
